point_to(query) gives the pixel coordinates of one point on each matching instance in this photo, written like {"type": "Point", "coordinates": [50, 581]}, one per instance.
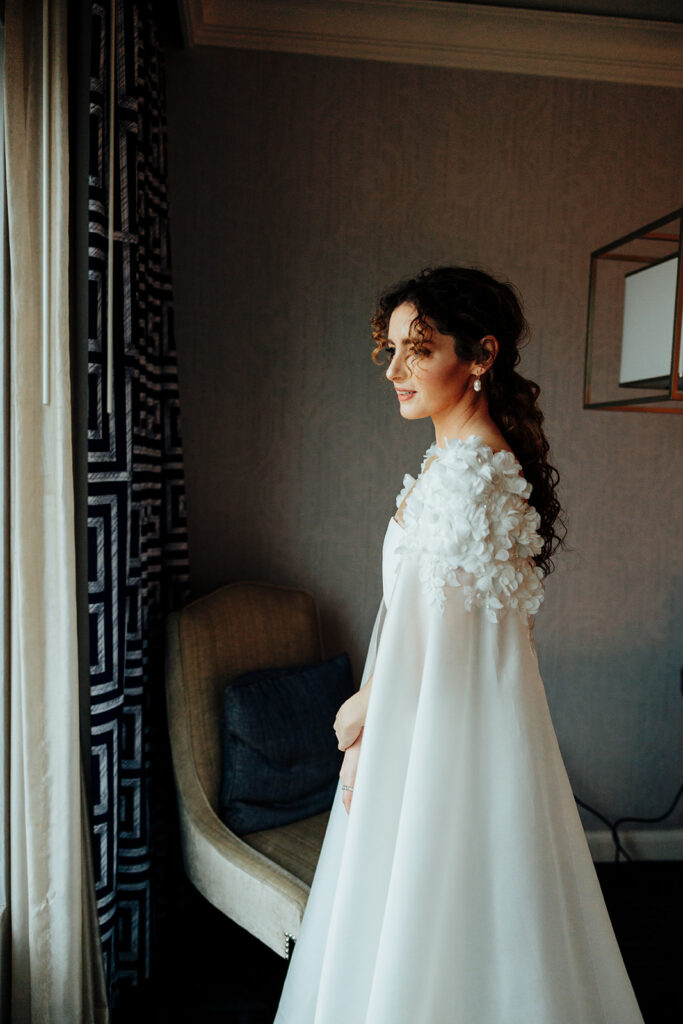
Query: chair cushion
{"type": "Point", "coordinates": [280, 756]}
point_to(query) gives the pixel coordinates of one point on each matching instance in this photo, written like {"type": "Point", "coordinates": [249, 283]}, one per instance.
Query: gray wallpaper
{"type": "Point", "coordinates": [302, 186]}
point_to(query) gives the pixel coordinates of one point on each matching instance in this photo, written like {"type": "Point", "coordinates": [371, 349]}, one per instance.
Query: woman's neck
{"type": "Point", "coordinates": [464, 420]}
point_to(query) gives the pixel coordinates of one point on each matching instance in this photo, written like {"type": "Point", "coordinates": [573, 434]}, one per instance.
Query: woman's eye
{"type": "Point", "coordinates": [390, 353]}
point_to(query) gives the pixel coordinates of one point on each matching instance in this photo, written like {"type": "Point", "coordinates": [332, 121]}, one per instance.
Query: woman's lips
{"type": "Point", "coordinates": [404, 395]}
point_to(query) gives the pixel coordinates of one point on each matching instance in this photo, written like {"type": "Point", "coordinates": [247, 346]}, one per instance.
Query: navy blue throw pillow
{"type": "Point", "coordinates": [280, 756]}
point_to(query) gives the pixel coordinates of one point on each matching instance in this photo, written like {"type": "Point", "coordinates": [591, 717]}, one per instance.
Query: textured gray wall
{"type": "Point", "coordinates": [299, 188]}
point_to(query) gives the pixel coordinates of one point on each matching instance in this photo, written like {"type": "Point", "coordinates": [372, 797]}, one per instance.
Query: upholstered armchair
{"type": "Point", "coordinates": [260, 880]}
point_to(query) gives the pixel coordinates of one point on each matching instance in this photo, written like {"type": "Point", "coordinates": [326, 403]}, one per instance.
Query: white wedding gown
{"type": "Point", "coordinates": [460, 888]}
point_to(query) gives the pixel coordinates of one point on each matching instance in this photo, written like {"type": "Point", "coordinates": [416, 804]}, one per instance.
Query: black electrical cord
{"type": "Point", "coordinates": [650, 821]}
{"type": "Point", "coordinates": [614, 826]}
{"type": "Point", "coordinates": [615, 835]}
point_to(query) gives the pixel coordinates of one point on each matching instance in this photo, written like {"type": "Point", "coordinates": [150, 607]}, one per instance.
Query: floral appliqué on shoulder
{"type": "Point", "coordinates": [468, 519]}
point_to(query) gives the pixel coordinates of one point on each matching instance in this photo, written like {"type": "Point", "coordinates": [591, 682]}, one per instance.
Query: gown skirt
{"type": "Point", "coordinates": [460, 888]}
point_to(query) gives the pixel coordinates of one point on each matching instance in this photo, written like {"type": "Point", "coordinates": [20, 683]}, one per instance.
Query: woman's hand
{"type": "Point", "coordinates": [347, 773]}
{"type": "Point", "coordinates": [351, 717]}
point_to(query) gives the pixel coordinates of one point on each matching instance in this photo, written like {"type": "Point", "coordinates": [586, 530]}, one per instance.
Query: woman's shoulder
{"type": "Point", "coordinates": [470, 521]}
{"type": "Point", "coordinates": [472, 468]}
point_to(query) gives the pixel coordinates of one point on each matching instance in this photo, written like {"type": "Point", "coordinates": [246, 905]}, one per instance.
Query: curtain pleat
{"type": "Point", "coordinates": [138, 560]}
{"type": "Point", "coordinates": [52, 967]}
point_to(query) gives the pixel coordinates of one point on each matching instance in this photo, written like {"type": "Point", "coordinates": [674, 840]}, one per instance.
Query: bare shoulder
{"type": "Point", "coordinates": [495, 440]}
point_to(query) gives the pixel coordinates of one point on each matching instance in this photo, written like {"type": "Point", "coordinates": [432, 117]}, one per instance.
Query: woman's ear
{"type": "Point", "coordinates": [489, 345]}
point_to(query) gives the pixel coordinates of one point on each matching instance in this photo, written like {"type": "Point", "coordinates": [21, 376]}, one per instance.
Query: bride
{"type": "Point", "coordinates": [455, 884]}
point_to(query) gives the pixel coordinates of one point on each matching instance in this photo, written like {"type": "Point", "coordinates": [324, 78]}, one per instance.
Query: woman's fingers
{"type": "Point", "coordinates": [345, 740]}
{"type": "Point", "coordinates": [347, 772]}
{"type": "Point", "coordinates": [346, 725]}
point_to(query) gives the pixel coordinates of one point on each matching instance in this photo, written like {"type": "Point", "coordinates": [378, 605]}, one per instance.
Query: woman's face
{"type": "Point", "coordinates": [431, 383]}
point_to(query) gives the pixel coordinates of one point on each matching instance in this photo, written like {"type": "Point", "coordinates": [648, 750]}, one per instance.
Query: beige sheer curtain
{"type": "Point", "coordinates": [51, 968]}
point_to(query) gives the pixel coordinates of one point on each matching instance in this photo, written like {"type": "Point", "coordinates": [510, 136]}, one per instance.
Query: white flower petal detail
{"type": "Point", "coordinates": [469, 520]}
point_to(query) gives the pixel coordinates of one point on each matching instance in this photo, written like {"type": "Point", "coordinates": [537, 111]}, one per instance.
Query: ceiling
{"type": "Point", "coordinates": [638, 42]}
{"type": "Point", "coordinates": [654, 10]}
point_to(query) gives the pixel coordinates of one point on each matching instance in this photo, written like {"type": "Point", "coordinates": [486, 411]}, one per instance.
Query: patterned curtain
{"type": "Point", "coordinates": [138, 559]}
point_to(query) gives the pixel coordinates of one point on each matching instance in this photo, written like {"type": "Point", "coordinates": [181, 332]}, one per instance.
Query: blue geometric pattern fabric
{"type": "Point", "coordinates": [137, 538]}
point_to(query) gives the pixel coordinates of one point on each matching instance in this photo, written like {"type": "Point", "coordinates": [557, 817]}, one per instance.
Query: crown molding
{"type": "Point", "coordinates": [458, 35]}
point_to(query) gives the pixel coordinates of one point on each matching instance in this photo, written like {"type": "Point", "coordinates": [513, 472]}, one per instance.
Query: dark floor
{"type": "Point", "coordinates": [214, 971]}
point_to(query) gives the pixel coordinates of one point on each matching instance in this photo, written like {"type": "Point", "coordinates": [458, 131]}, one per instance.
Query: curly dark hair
{"type": "Point", "coordinates": [468, 305]}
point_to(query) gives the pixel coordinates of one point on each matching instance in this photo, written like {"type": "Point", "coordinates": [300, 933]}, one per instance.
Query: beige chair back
{"type": "Point", "coordinates": [240, 627]}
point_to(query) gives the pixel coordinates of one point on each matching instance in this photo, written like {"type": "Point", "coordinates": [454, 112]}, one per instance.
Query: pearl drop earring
{"type": "Point", "coordinates": [477, 384]}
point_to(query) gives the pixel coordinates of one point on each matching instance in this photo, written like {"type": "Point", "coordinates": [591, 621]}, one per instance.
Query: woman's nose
{"type": "Point", "coordinates": [396, 370]}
